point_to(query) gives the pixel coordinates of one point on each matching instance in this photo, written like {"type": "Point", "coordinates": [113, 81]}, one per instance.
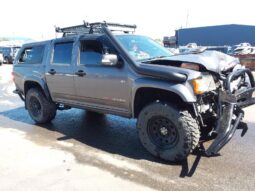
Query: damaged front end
{"type": "Point", "coordinates": [223, 88]}
{"type": "Point", "coordinates": [229, 102]}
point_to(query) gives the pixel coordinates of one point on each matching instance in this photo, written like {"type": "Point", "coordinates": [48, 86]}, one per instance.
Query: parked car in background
{"type": "Point", "coordinates": [191, 48]}
{"type": "Point", "coordinates": [9, 53]}
{"type": "Point", "coordinates": [169, 41]}
{"type": "Point", "coordinates": [223, 49]}
{"type": "Point", "coordinates": [1, 58]}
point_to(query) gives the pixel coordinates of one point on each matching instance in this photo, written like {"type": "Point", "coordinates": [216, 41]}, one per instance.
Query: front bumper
{"type": "Point", "coordinates": [230, 111]}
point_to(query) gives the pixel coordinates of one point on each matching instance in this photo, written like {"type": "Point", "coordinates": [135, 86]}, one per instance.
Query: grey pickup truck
{"type": "Point", "coordinates": [106, 68]}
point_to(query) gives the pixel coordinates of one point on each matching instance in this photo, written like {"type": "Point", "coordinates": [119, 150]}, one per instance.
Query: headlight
{"type": "Point", "coordinates": [204, 84]}
{"type": "Point", "coordinates": [190, 66]}
{"type": "Point", "coordinates": [199, 86]}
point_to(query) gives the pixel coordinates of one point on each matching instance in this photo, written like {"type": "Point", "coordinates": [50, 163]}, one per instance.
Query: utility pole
{"type": "Point", "coordinates": [187, 19]}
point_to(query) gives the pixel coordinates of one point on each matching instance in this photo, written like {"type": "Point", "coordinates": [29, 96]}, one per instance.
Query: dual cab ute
{"type": "Point", "coordinates": [106, 68]}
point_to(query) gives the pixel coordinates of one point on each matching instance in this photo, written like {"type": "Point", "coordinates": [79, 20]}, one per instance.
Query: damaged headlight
{"type": "Point", "coordinates": [203, 84]}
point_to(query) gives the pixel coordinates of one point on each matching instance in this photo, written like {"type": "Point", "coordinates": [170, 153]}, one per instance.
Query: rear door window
{"type": "Point", "coordinates": [63, 53]}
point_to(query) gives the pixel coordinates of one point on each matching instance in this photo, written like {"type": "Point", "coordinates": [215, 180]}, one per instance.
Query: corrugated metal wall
{"type": "Point", "coordinates": [216, 35]}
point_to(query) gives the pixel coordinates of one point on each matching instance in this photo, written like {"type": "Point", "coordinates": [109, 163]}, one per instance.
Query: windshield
{"type": "Point", "coordinates": [142, 48]}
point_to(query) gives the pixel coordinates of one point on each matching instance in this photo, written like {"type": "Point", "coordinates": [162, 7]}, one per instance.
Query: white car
{"type": "Point", "coordinates": [1, 58]}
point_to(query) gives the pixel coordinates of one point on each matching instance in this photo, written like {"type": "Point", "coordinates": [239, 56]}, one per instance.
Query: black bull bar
{"type": "Point", "coordinates": [230, 111]}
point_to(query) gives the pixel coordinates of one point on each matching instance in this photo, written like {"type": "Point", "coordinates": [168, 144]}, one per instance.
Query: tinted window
{"type": "Point", "coordinates": [63, 53]}
{"type": "Point", "coordinates": [108, 48]}
{"type": "Point", "coordinates": [90, 52]}
{"type": "Point", "coordinates": [33, 55]}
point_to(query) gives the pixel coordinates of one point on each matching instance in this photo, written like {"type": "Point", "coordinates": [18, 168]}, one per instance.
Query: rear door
{"type": "Point", "coordinates": [60, 71]}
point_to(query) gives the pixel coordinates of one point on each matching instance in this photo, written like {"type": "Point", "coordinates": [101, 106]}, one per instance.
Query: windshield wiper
{"type": "Point", "coordinates": [193, 51]}
{"type": "Point", "coordinates": [152, 58]}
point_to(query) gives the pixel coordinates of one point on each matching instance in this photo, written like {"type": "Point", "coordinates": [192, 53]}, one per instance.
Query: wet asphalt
{"type": "Point", "coordinates": [111, 144]}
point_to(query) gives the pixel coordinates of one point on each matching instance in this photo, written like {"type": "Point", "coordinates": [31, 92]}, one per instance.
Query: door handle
{"type": "Point", "coordinates": [52, 71]}
{"type": "Point", "coordinates": [80, 73]}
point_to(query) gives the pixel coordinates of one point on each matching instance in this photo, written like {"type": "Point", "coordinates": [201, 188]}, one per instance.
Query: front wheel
{"type": "Point", "coordinates": [40, 109]}
{"type": "Point", "coordinates": [168, 132]}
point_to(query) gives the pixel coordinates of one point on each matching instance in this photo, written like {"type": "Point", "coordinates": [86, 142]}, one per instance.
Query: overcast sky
{"type": "Point", "coordinates": [36, 18]}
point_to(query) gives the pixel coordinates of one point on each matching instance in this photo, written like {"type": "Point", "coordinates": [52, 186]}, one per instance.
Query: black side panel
{"type": "Point", "coordinates": [150, 70]}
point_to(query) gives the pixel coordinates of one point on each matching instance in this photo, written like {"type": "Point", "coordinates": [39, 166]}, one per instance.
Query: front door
{"type": "Point", "coordinates": [60, 71]}
{"type": "Point", "coordinates": [99, 86]}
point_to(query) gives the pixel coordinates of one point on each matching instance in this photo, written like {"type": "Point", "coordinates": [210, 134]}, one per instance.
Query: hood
{"type": "Point", "coordinates": [212, 60]}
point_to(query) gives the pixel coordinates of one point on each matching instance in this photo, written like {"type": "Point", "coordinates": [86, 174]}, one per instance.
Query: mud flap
{"type": "Point", "coordinates": [20, 94]}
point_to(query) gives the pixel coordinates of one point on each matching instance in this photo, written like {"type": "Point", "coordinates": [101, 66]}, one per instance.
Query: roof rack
{"type": "Point", "coordinates": [91, 28]}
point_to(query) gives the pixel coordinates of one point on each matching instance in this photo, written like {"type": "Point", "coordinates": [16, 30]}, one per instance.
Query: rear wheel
{"type": "Point", "coordinates": [39, 107]}
{"type": "Point", "coordinates": [168, 132]}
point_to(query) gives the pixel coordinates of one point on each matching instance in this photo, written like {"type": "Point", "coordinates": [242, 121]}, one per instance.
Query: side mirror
{"type": "Point", "coordinates": [109, 60]}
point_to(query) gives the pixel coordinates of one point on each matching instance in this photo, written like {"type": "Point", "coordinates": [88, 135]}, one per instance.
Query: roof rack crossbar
{"type": "Point", "coordinates": [89, 28]}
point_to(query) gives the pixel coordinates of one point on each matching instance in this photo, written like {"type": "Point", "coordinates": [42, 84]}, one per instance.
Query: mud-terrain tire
{"type": "Point", "coordinates": [40, 109]}
{"type": "Point", "coordinates": [168, 132]}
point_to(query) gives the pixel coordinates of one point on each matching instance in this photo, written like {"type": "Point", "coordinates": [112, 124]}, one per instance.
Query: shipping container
{"type": "Point", "coordinates": [220, 35]}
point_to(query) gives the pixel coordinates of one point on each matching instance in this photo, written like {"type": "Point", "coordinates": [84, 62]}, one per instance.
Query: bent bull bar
{"type": "Point", "coordinates": [231, 112]}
